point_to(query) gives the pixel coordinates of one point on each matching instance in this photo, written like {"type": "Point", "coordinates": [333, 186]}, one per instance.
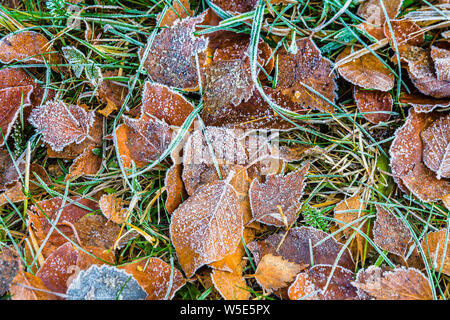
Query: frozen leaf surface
{"type": "Point", "coordinates": [366, 71]}
{"type": "Point", "coordinates": [62, 125]}
{"type": "Point", "coordinates": [176, 192]}
{"type": "Point", "coordinates": [312, 284]}
{"type": "Point", "coordinates": [113, 208]}
{"type": "Point", "coordinates": [9, 267]}
{"type": "Point", "coordinates": [179, 9]}
{"type": "Point", "coordinates": [441, 59]}
{"type": "Point", "coordinates": [437, 250]}
{"type": "Point", "coordinates": [105, 283]}
{"type": "Point", "coordinates": [206, 227]}
{"type": "Point", "coordinates": [85, 164]}
{"type": "Point", "coordinates": [277, 201]}
{"type": "Point", "coordinates": [236, 6]}
{"type": "Point", "coordinates": [376, 103]}
{"type": "Point", "coordinates": [399, 284]}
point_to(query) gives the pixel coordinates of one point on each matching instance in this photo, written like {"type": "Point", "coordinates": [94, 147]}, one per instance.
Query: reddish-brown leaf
{"type": "Point", "coordinates": [165, 104]}
{"type": "Point", "coordinates": [277, 201]}
{"type": "Point", "coordinates": [179, 9]}
{"type": "Point", "coordinates": [423, 103]}
{"type": "Point", "coordinates": [171, 58]}
{"type": "Point", "coordinates": [366, 71]}
{"type": "Point", "coordinates": [206, 227]}
{"type": "Point", "coordinates": [236, 6]}
{"type": "Point", "coordinates": [113, 208]}
{"type": "Point", "coordinates": [9, 267]}
{"type": "Point", "coordinates": [406, 32]}
{"type": "Point", "coordinates": [377, 103]}
{"type": "Point", "coordinates": [155, 276]}
{"type": "Point", "coordinates": [437, 250]}
{"type": "Point", "coordinates": [176, 192]}
{"type": "Point", "coordinates": [312, 284]}
{"type": "Point", "coordinates": [27, 286]}
{"type": "Point", "coordinates": [441, 59]}
{"type": "Point", "coordinates": [86, 163]}
{"type": "Point", "coordinates": [399, 284]}
{"type": "Point", "coordinates": [390, 233]}
{"type": "Point", "coordinates": [307, 68]}
{"type": "Point", "coordinates": [372, 12]}
{"type": "Point", "coordinates": [62, 125]}
{"type": "Point", "coordinates": [8, 171]}
{"type": "Point", "coordinates": [111, 92]}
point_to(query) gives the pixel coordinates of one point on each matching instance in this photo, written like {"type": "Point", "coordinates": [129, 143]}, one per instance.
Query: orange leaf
{"type": "Point", "coordinates": [437, 250]}
{"type": "Point", "coordinates": [112, 208]}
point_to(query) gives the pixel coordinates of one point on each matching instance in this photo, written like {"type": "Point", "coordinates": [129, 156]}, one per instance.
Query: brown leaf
{"type": "Point", "coordinates": [421, 70]}
{"type": "Point", "coordinates": [206, 227]}
{"type": "Point", "coordinates": [8, 171]}
{"type": "Point", "coordinates": [9, 267]}
{"type": "Point", "coordinates": [111, 93]}
{"type": "Point", "coordinates": [311, 284]}
{"type": "Point", "coordinates": [274, 272]}
{"type": "Point", "coordinates": [142, 140]}
{"type": "Point", "coordinates": [436, 147]}
{"type": "Point", "coordinates": [154, 275]}
{"type": "Point", "coordinates": [85, 164]}
{"type": "Point", "coordinates": [277, 201]}
{"type": "Point", "coordinates": [423, 103]}
{"type": "Point", "coordinates": [56, 271]}
{"type": "Point", "coordinates": [372, 11]}
{"type": "Point", "coordinates": [179, 9]}
{"type": "Point", "coordinates": [295, 247]}
{"type": "Point", "coordinates": [165, 104]}
{"type": "Point", "coordinates": [441, 59]}
{"type": "Point", "coordinates": [62, 125]}
{"type": "Point", "coordinates": [97, 231]}
{"type": "Point", "coordinates": [390, 234]}
{"type": "Point", "coordinates": [30, 46]}
{"type": "Point", "coordinates": [366, 71]}
{"type": "Point", "coordinates": [377, 102]}
{"type": "Point", "coordinates": [27, 286]}
{"type": "Point", "coordinates": [407, 159]}
{"type": "Point", "coordinates": [399, 284]}
{"type": "Point", "coordinates": [176, 192]}
{"type": "Point", "coordinates": [307, 67]}
{"type": "Point", "coordinates": [171, 59]}
{"type": "Point", "coordinates": [437, 251]}
{"type": "Point", "coordinates": [406, 32]}
{"type": "Point", "coordinates": [113, 208]}
{"type": "Point", "coordinates": [231, 285]}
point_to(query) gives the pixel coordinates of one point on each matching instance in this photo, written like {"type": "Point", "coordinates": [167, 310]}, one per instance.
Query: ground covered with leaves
{"type": "Point", "coordinates": [224, 149]}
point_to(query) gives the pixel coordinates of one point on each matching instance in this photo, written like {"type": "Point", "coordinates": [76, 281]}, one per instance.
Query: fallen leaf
{"type": "Point", "coordinates": [85, 164]}
{"type": "Point", "coordinates": [372, 12]}
{"type": "Point", "coordinates": [179, 9]}
{"type": "Point", "coordinates": [406, 32]}
{"type": "Point", "coordinates": [236, 6]}
{"type": "Point", "coordinates": [62, 125]}
{"type": "Point", "coordinates": [407, 155]}
{"type": "Point", "coordinates": [399, 284]}
{"type": "Point", "coordinates": [176, 192]}
{"type": "Point", "coordinates": [390, 234]}
{"type": "Point", "coordinates": [165, 104]}
{"type": "Point", "coordinates": [441, 59]}
{"type": "Point", "coordinates": [274, 272]}
{"type": "Point", "coordinates": [105, 283]}
{"type": "Point", "coordinates": [423, 103]}
{"type": "Point", "coordinates": [155, 277]}
{"type": "Point", "coordinates": [366, 71]}
{"type": "Point", "coordinates": [231, 285]}
{"type": "Point", "coordinates": [27, 286]}
{"type": "Point", "coordinates": [171, 58]}
{"type": "Point", "coordinates": [377, 103]}
{"type": "Point", "coordinates": [111, 93]}
{"type": "Point", "coordinates": [112, 208]}
{"type": "Point", "coordinates": [312, 284]}
{"type": "Point", "coordinates": [277, 201]}
{"type": "Point", "coordinates": [29, 46]}
{"type": "Point", "coordinates": [437, 251]}
{"type": "Point", "coordinates": [207, 226]}
{"type": "Point", "coordinates": [307, 68]}
{"type": "Point", "coordinates": [8, 170]}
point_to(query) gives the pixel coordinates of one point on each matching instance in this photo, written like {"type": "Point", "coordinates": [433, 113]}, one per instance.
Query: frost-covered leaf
{"type": "Point", "coordinates": [277, 201]}
{"type": "Point", "coordinates": [76, 59]}
{"type": "Point", "coordinates": [29, 46]}
{"type": "Point", "coordinates": [307, 68]}
{"type": "Point", "coordinates": [366, 71]}
{"type": "Point", "coordinates": [310, 284]}
{"type": "Point", "coordinates": [176, 192]}
{"type": "Point", "coordinates": [297, 246]}
{"type": "Point", "coordinates": [422, 103]}
{"type": "Point", "coordinates": [390, 233]}
{"type": "Point", "coordinates": [436, 147]}
{"type": "Point", "coordinates": [154, 275]}
{"type": "Point", "coordinates": [113, 208]}
{"type": "Point", "coordinates": [236, 6]}
{"type": "Point", "coordinates": [398, 284]}
{"type": "Point", "coordinates": [420, 66]}
{"type": "Point", "coordinates": [23, 287]}
{"type": "Point", "coordinates": [8, 171]}
{"type": "Point", "coordinates": [171, 59]}
{"type": "Point", "coordinates": [111, 92]}
{"type": "Point", "coordinates": [274, 272]}
{"type": "Point", "coordinates": [179, 9]}
{"type": "Point", "coordinates": [203, 149]}
{"type": "Point", "coordinates": [206, 227]}
{"type": "Point", "coordinates": [437, 250]}
{"type": "Point", "coordinates": [165, 104]}
{"type": "Point", "coordinates": [56, 270]}
{"type": "Point", "coordinates": [62, 125]}
{"type": "Point", "coordinates": [86, 163]}
{"type": "Point", "coordinates": [407, 155]}
{"type": "Point", "coordinates": [9, 267]}
{"type": "Point", "coordinates": [406, 32]}
{"type": "Point", "coordinates": [377, 103]}
{"type": "Point", "coordinates": [441, 59]}
{"type": "Point", "coordinates": [231, 285]}
{"type": "Point", "coordinates": [105, 283]}
{"type": "Point", "coordinates": [372, 12]}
